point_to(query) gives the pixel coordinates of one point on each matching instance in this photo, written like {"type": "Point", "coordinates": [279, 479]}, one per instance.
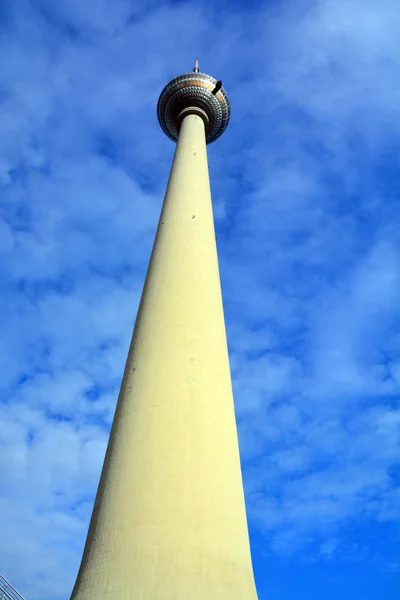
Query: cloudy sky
{"type": "Point", "coordinates": [305, 185]}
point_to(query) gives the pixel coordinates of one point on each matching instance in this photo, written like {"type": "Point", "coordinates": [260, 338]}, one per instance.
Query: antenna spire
{"type": "Point", "coordinates": [196, 65]}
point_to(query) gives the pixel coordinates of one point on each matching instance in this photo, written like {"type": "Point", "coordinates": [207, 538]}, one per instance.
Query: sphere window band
{"type": "Point", "coordinates": [196, 90]}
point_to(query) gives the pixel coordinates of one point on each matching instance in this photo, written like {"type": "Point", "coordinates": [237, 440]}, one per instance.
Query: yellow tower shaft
{"type": "Point", "coordinates": [169, 520]}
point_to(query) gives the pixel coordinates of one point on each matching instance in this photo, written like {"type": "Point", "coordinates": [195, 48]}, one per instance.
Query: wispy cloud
{"type": "Point", "coordinates": [305, 184]}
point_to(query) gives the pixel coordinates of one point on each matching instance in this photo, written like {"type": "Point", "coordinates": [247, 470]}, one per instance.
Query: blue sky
{"type": "Point", "coordinates": [305, 187]}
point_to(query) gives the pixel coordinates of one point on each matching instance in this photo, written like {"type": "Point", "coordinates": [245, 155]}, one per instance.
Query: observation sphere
{"type": "Point", "coordinates": [194, 90]}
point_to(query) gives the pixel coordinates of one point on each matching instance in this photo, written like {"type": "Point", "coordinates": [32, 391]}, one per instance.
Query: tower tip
{"type": "Point", "coordinates": [195, 90]}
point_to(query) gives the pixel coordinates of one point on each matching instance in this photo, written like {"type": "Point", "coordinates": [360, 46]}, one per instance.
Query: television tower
{"type": "Point", "coordinates": [169, 519]}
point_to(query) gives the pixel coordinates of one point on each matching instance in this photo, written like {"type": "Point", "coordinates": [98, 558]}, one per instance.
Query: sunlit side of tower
{"type": "Point", "coordinates": [169, 519]}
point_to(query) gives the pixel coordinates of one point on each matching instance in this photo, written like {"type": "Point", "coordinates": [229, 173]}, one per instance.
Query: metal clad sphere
{"type": "Point", "coordinates": [193, 89]}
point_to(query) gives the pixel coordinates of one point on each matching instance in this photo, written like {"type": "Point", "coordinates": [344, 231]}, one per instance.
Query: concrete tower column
{"type": "Point", "coordinates": [169, 520]}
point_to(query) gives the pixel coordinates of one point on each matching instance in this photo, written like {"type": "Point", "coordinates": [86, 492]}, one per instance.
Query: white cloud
{"type": "Point", "coordinates": [307, 250]}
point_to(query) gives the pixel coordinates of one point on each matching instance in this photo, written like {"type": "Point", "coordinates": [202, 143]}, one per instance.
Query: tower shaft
{"type": "Point", "coordinates": [169, 519]}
